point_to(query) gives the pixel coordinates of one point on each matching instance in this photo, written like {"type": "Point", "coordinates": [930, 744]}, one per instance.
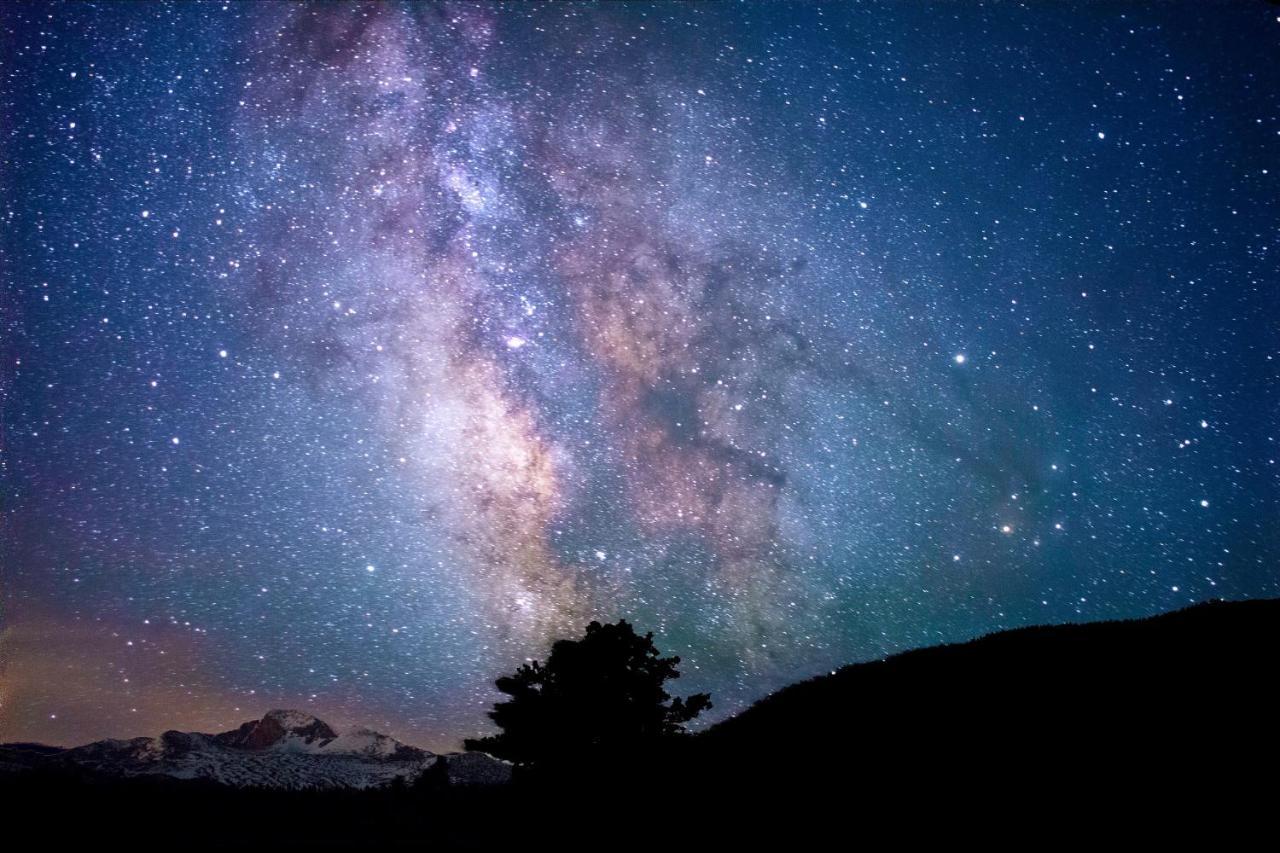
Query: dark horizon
{"type": "Point", "coordinates": [964, 645]}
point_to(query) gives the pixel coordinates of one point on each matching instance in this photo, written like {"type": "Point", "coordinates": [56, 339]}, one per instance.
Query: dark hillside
{"type": "Point", "coordinates": [1195, 688]}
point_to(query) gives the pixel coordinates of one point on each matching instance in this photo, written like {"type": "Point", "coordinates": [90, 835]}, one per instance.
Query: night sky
{"type": "Point", "coordinates": [352, 354]}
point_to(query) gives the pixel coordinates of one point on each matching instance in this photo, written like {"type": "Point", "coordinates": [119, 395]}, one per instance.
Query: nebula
{"type": "Point", "coordinates": [423, 170]}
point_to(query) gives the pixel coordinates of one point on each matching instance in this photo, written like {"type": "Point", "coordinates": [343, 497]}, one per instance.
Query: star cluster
{"type": "Point", "coordinates": [354, 352]}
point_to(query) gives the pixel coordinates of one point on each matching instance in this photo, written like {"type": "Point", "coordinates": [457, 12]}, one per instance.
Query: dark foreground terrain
{"type": "Point", "coordinates": [1161, 728]}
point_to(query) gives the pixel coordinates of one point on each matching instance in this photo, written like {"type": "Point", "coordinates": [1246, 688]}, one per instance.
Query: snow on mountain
{"type": "Point", "coordinates": [285, 749]}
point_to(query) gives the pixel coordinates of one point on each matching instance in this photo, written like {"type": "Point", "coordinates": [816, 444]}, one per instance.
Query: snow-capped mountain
{"type": "Point", "coordinates": [285, 749]}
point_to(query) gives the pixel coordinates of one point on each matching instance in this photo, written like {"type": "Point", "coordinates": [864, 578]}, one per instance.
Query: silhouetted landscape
{"type": "Point", "coordinates": [1088, 720]}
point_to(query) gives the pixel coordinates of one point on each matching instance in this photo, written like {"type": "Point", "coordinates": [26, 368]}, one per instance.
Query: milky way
{"type": "Point", "coordinates": [354, 353]}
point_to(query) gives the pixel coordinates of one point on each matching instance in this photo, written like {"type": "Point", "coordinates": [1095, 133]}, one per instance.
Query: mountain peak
{"type": "Point", "coordinates": [277, 725]}
{"type": "Point", "coordinates": [291, 720]}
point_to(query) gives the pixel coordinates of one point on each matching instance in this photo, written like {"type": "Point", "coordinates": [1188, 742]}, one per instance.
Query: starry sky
{"type": "Point", "coordinates": [354, 353]}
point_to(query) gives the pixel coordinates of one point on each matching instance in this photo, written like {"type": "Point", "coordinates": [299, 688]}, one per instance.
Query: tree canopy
{"type": "Point", "coordinates": [601, 693]}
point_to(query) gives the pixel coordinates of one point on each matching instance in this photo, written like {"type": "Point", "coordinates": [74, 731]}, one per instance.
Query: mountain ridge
{"type": "Point", "coordinates": [284, 749]}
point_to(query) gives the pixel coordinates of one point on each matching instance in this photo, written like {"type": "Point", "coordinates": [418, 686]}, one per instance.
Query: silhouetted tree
{"type": "Point", "coordinates": [602, 693]}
